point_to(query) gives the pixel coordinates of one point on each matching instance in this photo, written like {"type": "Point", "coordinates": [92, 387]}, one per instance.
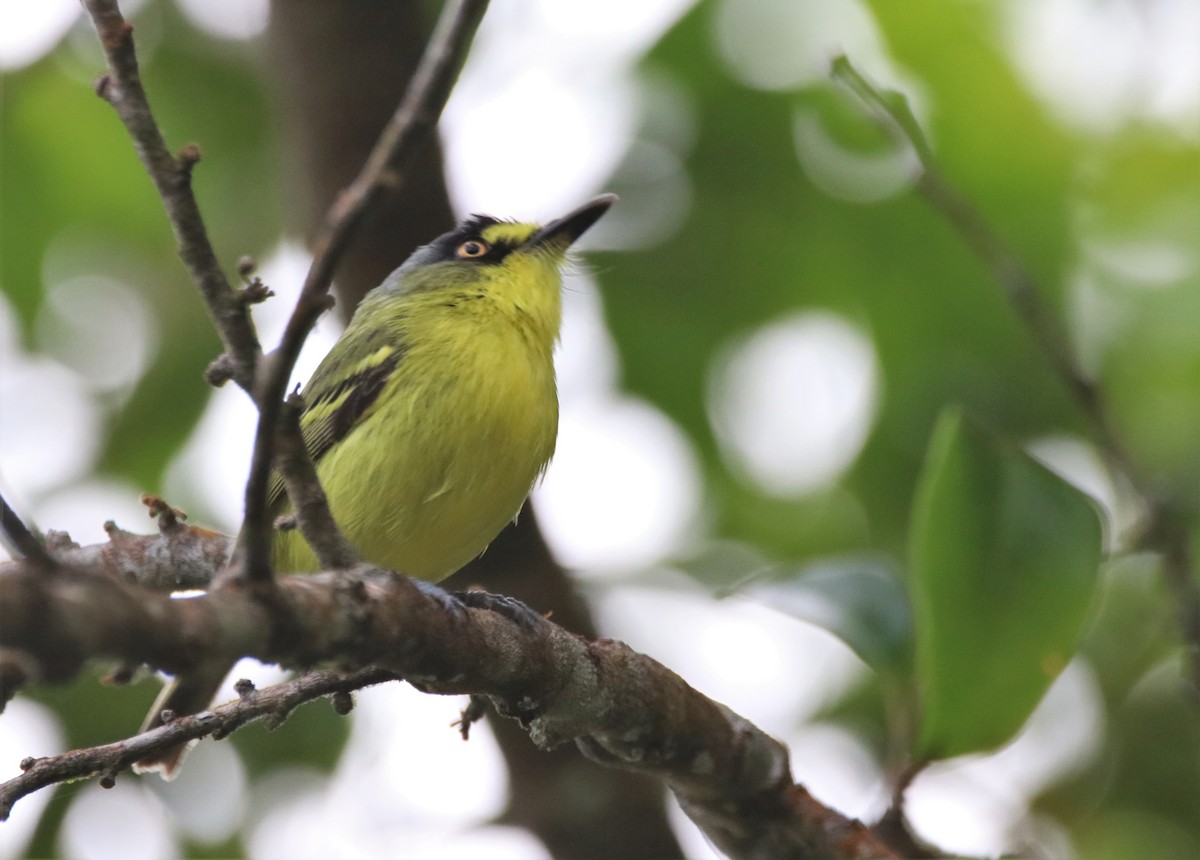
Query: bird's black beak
{"type": "Point", "coordinates": [565, 230]}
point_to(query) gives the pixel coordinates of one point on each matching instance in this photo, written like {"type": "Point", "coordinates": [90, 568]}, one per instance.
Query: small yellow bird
{"type": "Point", "coordinates": [436, 411]}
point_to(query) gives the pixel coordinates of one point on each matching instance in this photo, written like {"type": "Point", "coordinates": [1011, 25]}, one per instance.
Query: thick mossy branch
{"type": "Point", "coordinates": [620, 707]}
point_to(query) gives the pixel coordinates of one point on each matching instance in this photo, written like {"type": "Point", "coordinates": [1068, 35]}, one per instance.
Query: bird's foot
{"type": "Point", "coordinates": [449, 603]}
{"type": "Point", "coordinates": [511, 608]}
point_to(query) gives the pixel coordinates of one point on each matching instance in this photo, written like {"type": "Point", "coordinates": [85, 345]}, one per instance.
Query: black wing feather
{"type": "Point", "coordinates": [353, 395]}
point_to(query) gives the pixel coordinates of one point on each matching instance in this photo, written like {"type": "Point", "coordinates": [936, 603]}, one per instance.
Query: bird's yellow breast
{"type": "Point", "coordinates": [451, 447]}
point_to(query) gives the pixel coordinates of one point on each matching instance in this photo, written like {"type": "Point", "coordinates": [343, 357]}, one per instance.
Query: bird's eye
{"type": "Point", "coordinates": [471, 249]}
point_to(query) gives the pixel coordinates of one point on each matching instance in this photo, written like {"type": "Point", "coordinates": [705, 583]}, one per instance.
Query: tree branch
{"type": "Point", "coordinates": [273, 704]}
{"type": "Point", "coordinates": [179, 558]}
{"type": "Point", "coordinates": [313, 517]}
{"type": "Point", "coordinates": [121, 86]}
{"type": "Point", "coordinates": [1166, 530]}
{"type": "Point", "coordinates": [621, 708]}
{"type": "Point", "coordinates": [414, 119]}
{"type": "Point", "coordinates": [22, 539]}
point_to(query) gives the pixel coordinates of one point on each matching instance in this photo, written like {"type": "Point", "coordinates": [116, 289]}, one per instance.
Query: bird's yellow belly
{"type": "Point", "coordinates": [461, 455]}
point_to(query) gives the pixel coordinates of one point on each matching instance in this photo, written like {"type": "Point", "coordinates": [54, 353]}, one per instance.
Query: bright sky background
{"type": "Point", "coordinates": [1098, 64]}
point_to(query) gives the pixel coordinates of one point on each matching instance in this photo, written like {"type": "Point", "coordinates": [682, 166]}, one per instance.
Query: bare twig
{"type": "Point", "coordinates": [22, 539]}
{"type": "Point", "coordinates": [333, 550]}
{"type": "Point", "coordinates": [179, 557]}
{"type": "Point", "coordinates": [1014, 278]}
{"type": "Point", "coordinates": [620, 708]}
{"type": "Point", "coordinates": [1168, 534]}
{"type": "Point", "coordinates": [1165, 532]}
{"type": "Point", "coordinates": [413, 121]}
{"type": "Point", "coordinates": [893, 825]}
{"type": "Point", "coordinates": [274, 704]}
{"type": "Point", "coordinates": [121, 86]}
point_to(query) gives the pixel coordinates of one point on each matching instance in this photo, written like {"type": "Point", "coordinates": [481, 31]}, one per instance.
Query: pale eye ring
{"type": "Point", "coordinates": [472, 249]}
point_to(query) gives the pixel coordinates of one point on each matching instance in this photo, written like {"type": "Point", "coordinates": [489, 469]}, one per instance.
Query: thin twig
{"type": "Point", "coordinates": [23, 540]}
{"type": "Point", "coordinates": [892, 110]}
{"type": "Point", "coordinates": [1165, 532]}
{"type": "Point", "coordinates": [893, 825]}
{"type": "Point", "coordinates": [121, 86]}
{"type": "Point", "coordinates": [332, 549]}
{"type": "Point", "coordinates": [179, 557]}
{"type": "Point", "coordinates": [410, 125]}
{"type": "Point", "coordinates": [1168, 534]}
{"type": "Point", "coordinates": [274, 704]}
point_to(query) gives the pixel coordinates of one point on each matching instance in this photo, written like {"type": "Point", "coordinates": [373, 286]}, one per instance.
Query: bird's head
{"type": "Point", "coordinates": [512, 261]}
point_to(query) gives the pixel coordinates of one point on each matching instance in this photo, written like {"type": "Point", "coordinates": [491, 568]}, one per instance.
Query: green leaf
{"type": "Point", "coordinates": [858, 598]}
{"type": "Point", "coordinates": [1004, 559]}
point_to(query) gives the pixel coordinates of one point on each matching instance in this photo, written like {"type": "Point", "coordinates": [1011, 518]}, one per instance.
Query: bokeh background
{"type": "Point", "coordinates": [757, 344]}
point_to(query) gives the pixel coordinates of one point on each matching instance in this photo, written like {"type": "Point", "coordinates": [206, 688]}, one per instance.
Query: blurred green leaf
{"type": "Point", "coordinates": [1004, 563]}
{"type": "Point", "coordinates": [761, 240]}
{"type": "Point", "coordinates": [164, 409]}
{"type": "Point", "coordinates": [859, 599]}
{"type": "Point", "coordinates": [1151, 774]}
{"type": "Point", "coordinates": [67, 165]}
{"type": "Point", "coordinates": [1147, 774]}
{"type": "Point", "coordinates": [1124, 639]}
{"type": "Point", "coordinates": [314, 734]}
{"type": "Point", "coordinates": [819, 524]}
{"type": "Point", "coordinates": [93, 712]}
{"type": "Point", "coordinates": [1152, 379]}
{"type": "Point", "coordinates": [1140, 216]}
{"type": "Point", "coordinates": [1144, 182]}
{"type": "Point", "coordinates": [71, 172]}
{"type": "Point", "coordinates": [1132, 834]}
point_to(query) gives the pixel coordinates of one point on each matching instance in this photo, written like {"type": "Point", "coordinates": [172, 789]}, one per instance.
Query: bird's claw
{"type": "Point", "coordinates": [511, 608]}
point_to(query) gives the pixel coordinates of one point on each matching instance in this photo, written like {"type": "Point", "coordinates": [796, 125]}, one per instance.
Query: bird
{"type": "Point", "coordinates": [434, 414]}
